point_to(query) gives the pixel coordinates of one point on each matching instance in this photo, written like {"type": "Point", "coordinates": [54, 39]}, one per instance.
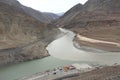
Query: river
{"type": "Point", "coordinates": [63, 48]}
{"type": "Point", "coordinates": [19, 70]}
{"type": "Point", "coordinates": [62, 52]}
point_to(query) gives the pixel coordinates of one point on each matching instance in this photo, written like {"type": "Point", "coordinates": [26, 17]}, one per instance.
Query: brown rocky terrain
{"type": "Point", "coordinates": [106, 73]}
{"type": "Point", "coordinates": [97, 19]}
{"type": "Point", "coordinates": [22, 37]}
{"type": "Point", "coordinates": [41, 16]}
{"type": "Point", "coordinates": [97, 25]}
{"type": "Point", "coordinates": [69, 15]}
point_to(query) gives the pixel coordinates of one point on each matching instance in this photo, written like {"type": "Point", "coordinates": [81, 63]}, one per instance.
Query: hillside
{"type": "Point", "coordinates": [69, 15]}
{"type": "Point", "coordinates": [106, 5]}
{"type": "Point", "coordinates": [41, 16]}
{"type": "Point", "coordinates": [96, 19]}
{"type": "Point", "coordinates": [22, 37]}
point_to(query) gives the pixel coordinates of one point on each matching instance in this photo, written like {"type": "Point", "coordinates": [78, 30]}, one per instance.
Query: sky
{"type": "Point", "coordinates": [54, 6]}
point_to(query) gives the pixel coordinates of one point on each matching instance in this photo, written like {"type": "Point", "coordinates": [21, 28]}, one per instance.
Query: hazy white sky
{"type": "Point", "coordinates": [55, 6]}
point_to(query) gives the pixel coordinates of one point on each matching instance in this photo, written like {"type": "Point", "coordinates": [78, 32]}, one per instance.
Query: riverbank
{"type": "Point", "coordinates": [96, 73]}
{"type": "Point", "coordinates": [59, 52]}
{"type": "Point", "coordinates": [29, 51]}
{"type": "Point", "coordinates": [93, 73]}
{"type": "Point", "coordinates": [102, 37]}
{"type": "Point", "coordinates": [59, 49]}
{"type": "Point", "coordinates": [70, 72]}
{"type": "Point", "coordinates": [60, 72]}
{"type": "Point", "coordinates": [105, 73]}
{"type": "Point", "coordinates": [97, 44]}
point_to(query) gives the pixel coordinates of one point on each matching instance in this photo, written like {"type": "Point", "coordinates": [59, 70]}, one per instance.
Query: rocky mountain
{"type": "Point", "coordinates": [42, 16]}
{"type": "Point", "coordinates": [97, 19]}
{"type": "Point", "coordinates": [99, 10]}
{"type": "Point", "coordinates": [69, 15]}
{"type": "Point", "coordinates": [22, 37]}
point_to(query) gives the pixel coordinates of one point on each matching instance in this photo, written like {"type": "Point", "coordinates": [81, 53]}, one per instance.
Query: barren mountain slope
{"type": "Point", "coordinates": [22, 37]}
{"type": "Point", "coordinates": [69, 15]}
{"type": "Point", "coordinates": [41, 16]}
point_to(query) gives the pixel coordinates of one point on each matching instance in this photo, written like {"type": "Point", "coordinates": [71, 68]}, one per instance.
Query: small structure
{"type": "Point", "coordinates": [66, 68]}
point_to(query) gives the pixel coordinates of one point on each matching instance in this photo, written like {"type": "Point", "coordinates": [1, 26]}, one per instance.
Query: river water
{"type": "Point", "coordinates": [63, 48]}
{"type": "Point", "coordinates": [62, 52]}
{"type": "Point", "coordinates": [28, 68]}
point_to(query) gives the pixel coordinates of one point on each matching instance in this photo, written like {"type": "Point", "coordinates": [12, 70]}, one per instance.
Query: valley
{"type": "Point", "coordinates": [32, 41]}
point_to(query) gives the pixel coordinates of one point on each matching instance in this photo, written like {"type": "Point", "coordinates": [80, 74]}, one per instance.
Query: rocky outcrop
{"type": "Point", "coordinates": [22, 37]}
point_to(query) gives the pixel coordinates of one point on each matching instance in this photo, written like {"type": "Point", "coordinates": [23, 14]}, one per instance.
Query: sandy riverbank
{"type": "Point", "coordinates": [98, 44]}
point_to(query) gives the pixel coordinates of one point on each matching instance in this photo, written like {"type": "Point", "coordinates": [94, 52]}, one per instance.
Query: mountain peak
{"type": "Point", "coordinates": [75, 8]}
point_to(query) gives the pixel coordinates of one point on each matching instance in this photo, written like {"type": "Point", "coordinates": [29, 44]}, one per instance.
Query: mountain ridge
{"type": "Point", "coordinates": [67, 17]}
{"type": "Point", "coordinates": [45, 18]}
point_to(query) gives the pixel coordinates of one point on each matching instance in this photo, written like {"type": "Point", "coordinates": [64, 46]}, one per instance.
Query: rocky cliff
{"type": "Point", "coordinates": [22, 37]}
{"type": "Point", "coordinates": [41, 16]}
